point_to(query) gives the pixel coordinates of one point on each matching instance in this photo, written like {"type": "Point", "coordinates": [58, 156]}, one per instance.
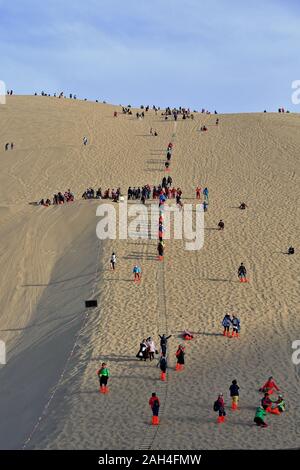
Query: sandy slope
{"type": "Point", "coordinates": [52, 260]}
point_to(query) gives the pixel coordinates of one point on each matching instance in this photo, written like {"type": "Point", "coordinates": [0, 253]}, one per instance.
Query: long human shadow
{"type": "Point", "coordinates": [204, 333]}
{"type": "Point", "coordinates": [60, 282]}
{"type": "Point", "coordinates": [140, 256]}
{"type": "Point", "coordinates": [152, 170]}
{"type": "Point", "coordinates": [144, 135]}
{"type": "Point", "coordinates": [114, 358]}
{"type": "Point", "coordinates": [216, 280]}
{"type": "Point", "coordinates": [36, 324]}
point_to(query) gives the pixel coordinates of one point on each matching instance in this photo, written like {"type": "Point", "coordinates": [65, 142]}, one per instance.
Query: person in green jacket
{"type": "Point", "coordinates": [280, 403]}
{"type": "Point", "coordinates": [259, 417]}
{"type": "Point", "coordinates": [103, 374]}
{"type": "Point", "coordinates": [279, 406]}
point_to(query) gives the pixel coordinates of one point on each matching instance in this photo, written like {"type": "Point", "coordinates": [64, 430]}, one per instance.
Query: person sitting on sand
{"type": "Point", "coordinates": [243, 205]}
{"type": "Point", "coordinates": [221, 225]}
{"type": "Point", "coordinates": [266, 402]}
{"type": "Point", "coordinates": [291, 250]}
{"type": "Point", "coordinates": [61, 198]}
{"type": "Point", "coordinates": [279, 405]}
{"type": "Point", "coordinates": [187, 335]}
{"type": "Point", "coordinates": [260, 415]}
{"type": "Point", "coordinates": [169, 181]}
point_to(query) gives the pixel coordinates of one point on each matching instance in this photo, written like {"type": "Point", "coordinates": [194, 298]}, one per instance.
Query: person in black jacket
{"type": "Point", "coordinates": [234, 393]}
{"type": "Point", "coordinates": [164, 343]}
{"type": "Point", "coordinates": [163, 364]}
{"type": "Point", "coordinates": [242, 273]}
{"type": "Point", "coordinates": [180, 357]}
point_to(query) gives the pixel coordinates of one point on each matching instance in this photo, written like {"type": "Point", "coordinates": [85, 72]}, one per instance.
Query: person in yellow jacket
{"type": "Point", "coordinates": [103, 375]}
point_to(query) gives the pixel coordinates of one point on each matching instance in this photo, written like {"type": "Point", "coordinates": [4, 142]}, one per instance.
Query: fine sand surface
{"type": "Point", "coordinates": [51, 261]}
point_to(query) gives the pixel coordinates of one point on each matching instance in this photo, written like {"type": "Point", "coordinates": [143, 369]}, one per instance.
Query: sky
{"type": "Point", "coordinates": [232, 56]}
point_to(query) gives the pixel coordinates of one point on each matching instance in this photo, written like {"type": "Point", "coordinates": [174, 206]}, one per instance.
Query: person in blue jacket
{"type": "Point", "coordinates": [205, 193]}
{"type": "Point", "coordinates": [137, 273]}
{"type": "Point", "coordinates": [236, 325]}
{"type": "Point", "coordinates": [226, 324]}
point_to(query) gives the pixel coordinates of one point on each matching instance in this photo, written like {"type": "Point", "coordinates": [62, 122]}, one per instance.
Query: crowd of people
{"type": "Point", "coordinates": [59, 198]}
{"type": "Point", "coordinates": [231, 324]}
{"type": "Point", "coordinates": [185, 113]}
{"type": "Point", "coordinates": [147, 349]}
{"type": "Point", "coordinates": [113, 194]}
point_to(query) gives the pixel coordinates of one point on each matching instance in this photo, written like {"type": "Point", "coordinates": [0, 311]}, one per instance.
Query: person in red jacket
{"type": "Point", "coordinates": [220, 407]}
{"type": "Point", "coordinates": [269, 386]}
{"type": "Point", "coordinates": [154, 405]}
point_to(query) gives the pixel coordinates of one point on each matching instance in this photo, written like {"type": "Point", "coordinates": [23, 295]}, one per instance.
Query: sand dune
{"type": "Point", "coordinates": [51, 261]}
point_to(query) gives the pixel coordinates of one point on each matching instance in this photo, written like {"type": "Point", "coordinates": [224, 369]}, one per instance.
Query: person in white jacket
{"type": "Point", "coordinates": [113, 260]}
{"type": "Point", "coordinates": [151, 347]}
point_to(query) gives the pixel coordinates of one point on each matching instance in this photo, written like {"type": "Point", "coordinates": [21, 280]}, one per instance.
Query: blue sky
{"type": "Point", "coordinates": [233, 56]}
